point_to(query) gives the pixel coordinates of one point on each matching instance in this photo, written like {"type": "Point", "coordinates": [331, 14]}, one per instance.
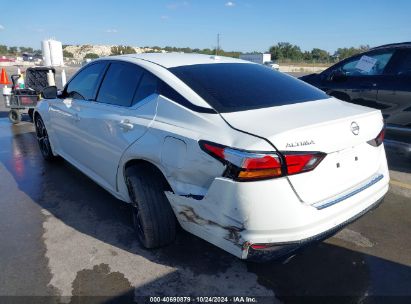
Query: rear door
{"type": "Point", "coordinates": [120, 114]}
{"type": "Point", "coordinates": [395, 95]}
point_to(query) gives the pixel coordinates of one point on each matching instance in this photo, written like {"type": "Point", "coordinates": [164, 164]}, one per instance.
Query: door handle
{"type": "Point", "coordinates": [368, 85]}
{"type": "Point", "coordinates": [126, 125]}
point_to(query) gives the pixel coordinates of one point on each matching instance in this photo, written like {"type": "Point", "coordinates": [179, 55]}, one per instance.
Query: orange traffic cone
{"type": "Point", "coordinates": [3, 78]}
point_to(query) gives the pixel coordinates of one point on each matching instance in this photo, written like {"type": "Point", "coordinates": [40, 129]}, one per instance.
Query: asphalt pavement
{"type": "Point", "coordinates": [63, 237]}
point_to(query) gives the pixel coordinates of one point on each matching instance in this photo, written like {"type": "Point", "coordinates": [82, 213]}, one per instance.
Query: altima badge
{"type": "Point", "coordinates": [300, 143]}
{"type": "Point", "coordinates": [355, 128]}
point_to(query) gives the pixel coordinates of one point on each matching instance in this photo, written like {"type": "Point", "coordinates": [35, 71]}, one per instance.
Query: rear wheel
{"type": "Point", "coordinates": [14, 116]}
{"type": "Point", "coordinates": [153, 218]}
{"type": "Point", "coordinates": [43, 140]}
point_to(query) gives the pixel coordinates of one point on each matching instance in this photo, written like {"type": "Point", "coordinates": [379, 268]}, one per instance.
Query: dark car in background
{"type": "Point", "coordinates": [379, 78]}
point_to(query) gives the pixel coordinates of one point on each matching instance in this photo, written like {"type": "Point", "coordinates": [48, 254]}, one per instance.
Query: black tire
{"type": "Point", "coordinates": [153, 217]}
{"type": "Point", "coordinates": [43, 139]}
{"type": "Point", "coordinates": [14, 116]}
{"type": "Point", "coordinates": [31, 112]}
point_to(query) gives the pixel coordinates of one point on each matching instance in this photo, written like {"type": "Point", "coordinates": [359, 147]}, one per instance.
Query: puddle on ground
{"type": "Point", "coordinates": [101, 281]}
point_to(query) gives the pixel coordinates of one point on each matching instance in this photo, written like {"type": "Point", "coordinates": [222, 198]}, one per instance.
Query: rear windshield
{"type": "Point", "coordinates": [231, 87]}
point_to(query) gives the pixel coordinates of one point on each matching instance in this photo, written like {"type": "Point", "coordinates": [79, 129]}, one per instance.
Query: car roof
{"type": "Point", "coordinates": [393, 45]}
{"type": "Point", "coordinates": [170, 60]}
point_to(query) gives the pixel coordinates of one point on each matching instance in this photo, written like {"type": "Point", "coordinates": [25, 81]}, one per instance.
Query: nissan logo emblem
{"type": "Point", "coordinates": [355, 128]}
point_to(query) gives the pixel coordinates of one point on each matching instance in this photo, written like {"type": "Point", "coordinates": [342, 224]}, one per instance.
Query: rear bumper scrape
{"type": "Point", "coordinates": [233, 232]}
{"type": "Point", "coordinates": [197, 217]}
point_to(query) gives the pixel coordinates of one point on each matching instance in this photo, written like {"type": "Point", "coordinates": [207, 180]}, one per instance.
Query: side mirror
{"type": "Point", "coordinates": [337, 76]}
{"type": "Point", "coordinates": [49, 92]}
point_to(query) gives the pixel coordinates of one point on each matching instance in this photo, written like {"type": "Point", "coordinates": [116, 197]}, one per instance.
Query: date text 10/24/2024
{"type": "Point", "coordinates": [205, 299]}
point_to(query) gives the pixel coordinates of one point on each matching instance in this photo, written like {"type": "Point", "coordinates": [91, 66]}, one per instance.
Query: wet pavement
{"type": "Point", "coordinates": [62, 237]}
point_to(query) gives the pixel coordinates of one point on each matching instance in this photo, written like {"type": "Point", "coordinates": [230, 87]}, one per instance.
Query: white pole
{"type": "Point", "coordinates": [63, 78]}
{"type": "Point", "coordinates": [50, 78]}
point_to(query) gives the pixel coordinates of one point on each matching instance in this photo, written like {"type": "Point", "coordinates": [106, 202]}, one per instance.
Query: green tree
{"type": "Point", "coordinates": [91, 56]}
{"type": "Point", "coordinates": [286, 50]}
{"type": "Point", "coordinates": [3, 49]}
{"type": "Point", "coordinates": [307, 56]}
{"type": "Point", "coordinates": [320, 55]}
{"type": "Point", "coordinates": [67, 54]}
{"type": "Point", "coordinates": [343, 53]}
{"type": "Point", "coordinates": [26, 49]}
{"type": "Point", "coordinates": [13, 50]}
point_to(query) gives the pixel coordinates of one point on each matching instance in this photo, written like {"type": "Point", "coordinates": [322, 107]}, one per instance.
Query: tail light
{"type": "Point", "coordinates": [302, 162]}
{"type": "Point", "coordinates": [247, 165]}
{"type": "Point", "coordinates": [378, 140]}
{"type": "Point", "coordinates": [261, 246]}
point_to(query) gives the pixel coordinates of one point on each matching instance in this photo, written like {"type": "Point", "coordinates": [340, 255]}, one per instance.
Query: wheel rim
{"type": "Point", "coordinates": [14, 115]}
{"type": "Point", "coordinates": [42, 138]}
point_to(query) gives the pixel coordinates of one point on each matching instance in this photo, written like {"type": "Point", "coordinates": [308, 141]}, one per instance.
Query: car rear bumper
{"type": "Point", "coordinates": [234, 215]}
{"type": "Point", "coordinates": [278, 250]}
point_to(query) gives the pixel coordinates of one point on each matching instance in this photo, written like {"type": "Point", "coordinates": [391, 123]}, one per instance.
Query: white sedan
{"type": "Point", "coordinates": [252, 160]}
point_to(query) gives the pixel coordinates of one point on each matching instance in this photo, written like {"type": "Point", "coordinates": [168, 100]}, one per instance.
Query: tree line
{"type": "Point", "coordinates": [282, 52]}
{"type": "Point", "coordinates": [285, 51]}
{"type": "Point", "coordinates": [120, 50]}
{"type": "Point", "coordinates": [17, 50]}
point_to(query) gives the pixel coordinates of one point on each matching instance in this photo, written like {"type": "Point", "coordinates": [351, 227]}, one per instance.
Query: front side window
{"type": "Point", "coordinates": [368, 64]}
{"type": "Point", "coordinates": [119, 84]}
{"type": "Point", "coordinates": [231, 87]}
{"type": "Point", "coordinates": [84, 84]}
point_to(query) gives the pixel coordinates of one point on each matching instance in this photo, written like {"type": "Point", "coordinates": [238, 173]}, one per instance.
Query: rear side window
{"type": "Point", "coordinates": [403, 66]}
{"type": "Point", "coordinates": [172, 94]}
{"type": "Point", "coordinates": [148, 85]}
{"type": "Point", "coordinates": [119, 84]}
{"type": "Point", "coordinates": [84, 84]}
{"type": "Point", "coordinates": [231, 87]}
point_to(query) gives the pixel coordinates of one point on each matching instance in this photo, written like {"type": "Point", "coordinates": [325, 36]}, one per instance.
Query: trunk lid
{"type": "Point", "coordinates": [337, 128]}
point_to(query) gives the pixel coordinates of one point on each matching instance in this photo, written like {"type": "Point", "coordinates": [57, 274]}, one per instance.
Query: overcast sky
{"type": "Point", "coordinates": [245, 25]}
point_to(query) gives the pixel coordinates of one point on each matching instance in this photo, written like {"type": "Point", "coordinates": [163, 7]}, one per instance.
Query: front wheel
{"type": "Point", "coordinates": [153, 218]}
{"type": "Point", "coordinates": [43, 140]}
{"type": "Point", "coordinates": [14, 116]}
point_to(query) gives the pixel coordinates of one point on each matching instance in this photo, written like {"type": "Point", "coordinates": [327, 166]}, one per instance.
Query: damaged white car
{"type": "Point", "coordinates": [252, 160]}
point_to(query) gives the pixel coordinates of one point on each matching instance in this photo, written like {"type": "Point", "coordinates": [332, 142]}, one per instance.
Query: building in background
{"type": "Point", "coordinates": [261, 58]}
{"type": "Point", "coordinates": [52, 53]}
{"type": "Point", "coordinates": [256, 57]}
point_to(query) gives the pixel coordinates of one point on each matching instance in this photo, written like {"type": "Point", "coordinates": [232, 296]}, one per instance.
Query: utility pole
{"type": "Point", "coordinates": [218, 45]}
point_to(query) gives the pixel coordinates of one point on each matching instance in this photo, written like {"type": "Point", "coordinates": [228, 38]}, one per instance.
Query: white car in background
{"type": "Point", "coordinates": [272, 64]}
{"type": "Point", "coordinates": [252, 160]}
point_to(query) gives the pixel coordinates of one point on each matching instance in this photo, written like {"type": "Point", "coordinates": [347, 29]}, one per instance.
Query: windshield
{"type": "Point", "coordinates": [231, 87]}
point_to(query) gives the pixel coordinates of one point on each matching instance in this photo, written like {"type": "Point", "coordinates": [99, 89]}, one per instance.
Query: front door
{"type": "Point", "coordinates": [121, 113]}
{"type": "Point", "coordinates": [67, 138]}
{"type": "Point", "coordinates": [359, 78]}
